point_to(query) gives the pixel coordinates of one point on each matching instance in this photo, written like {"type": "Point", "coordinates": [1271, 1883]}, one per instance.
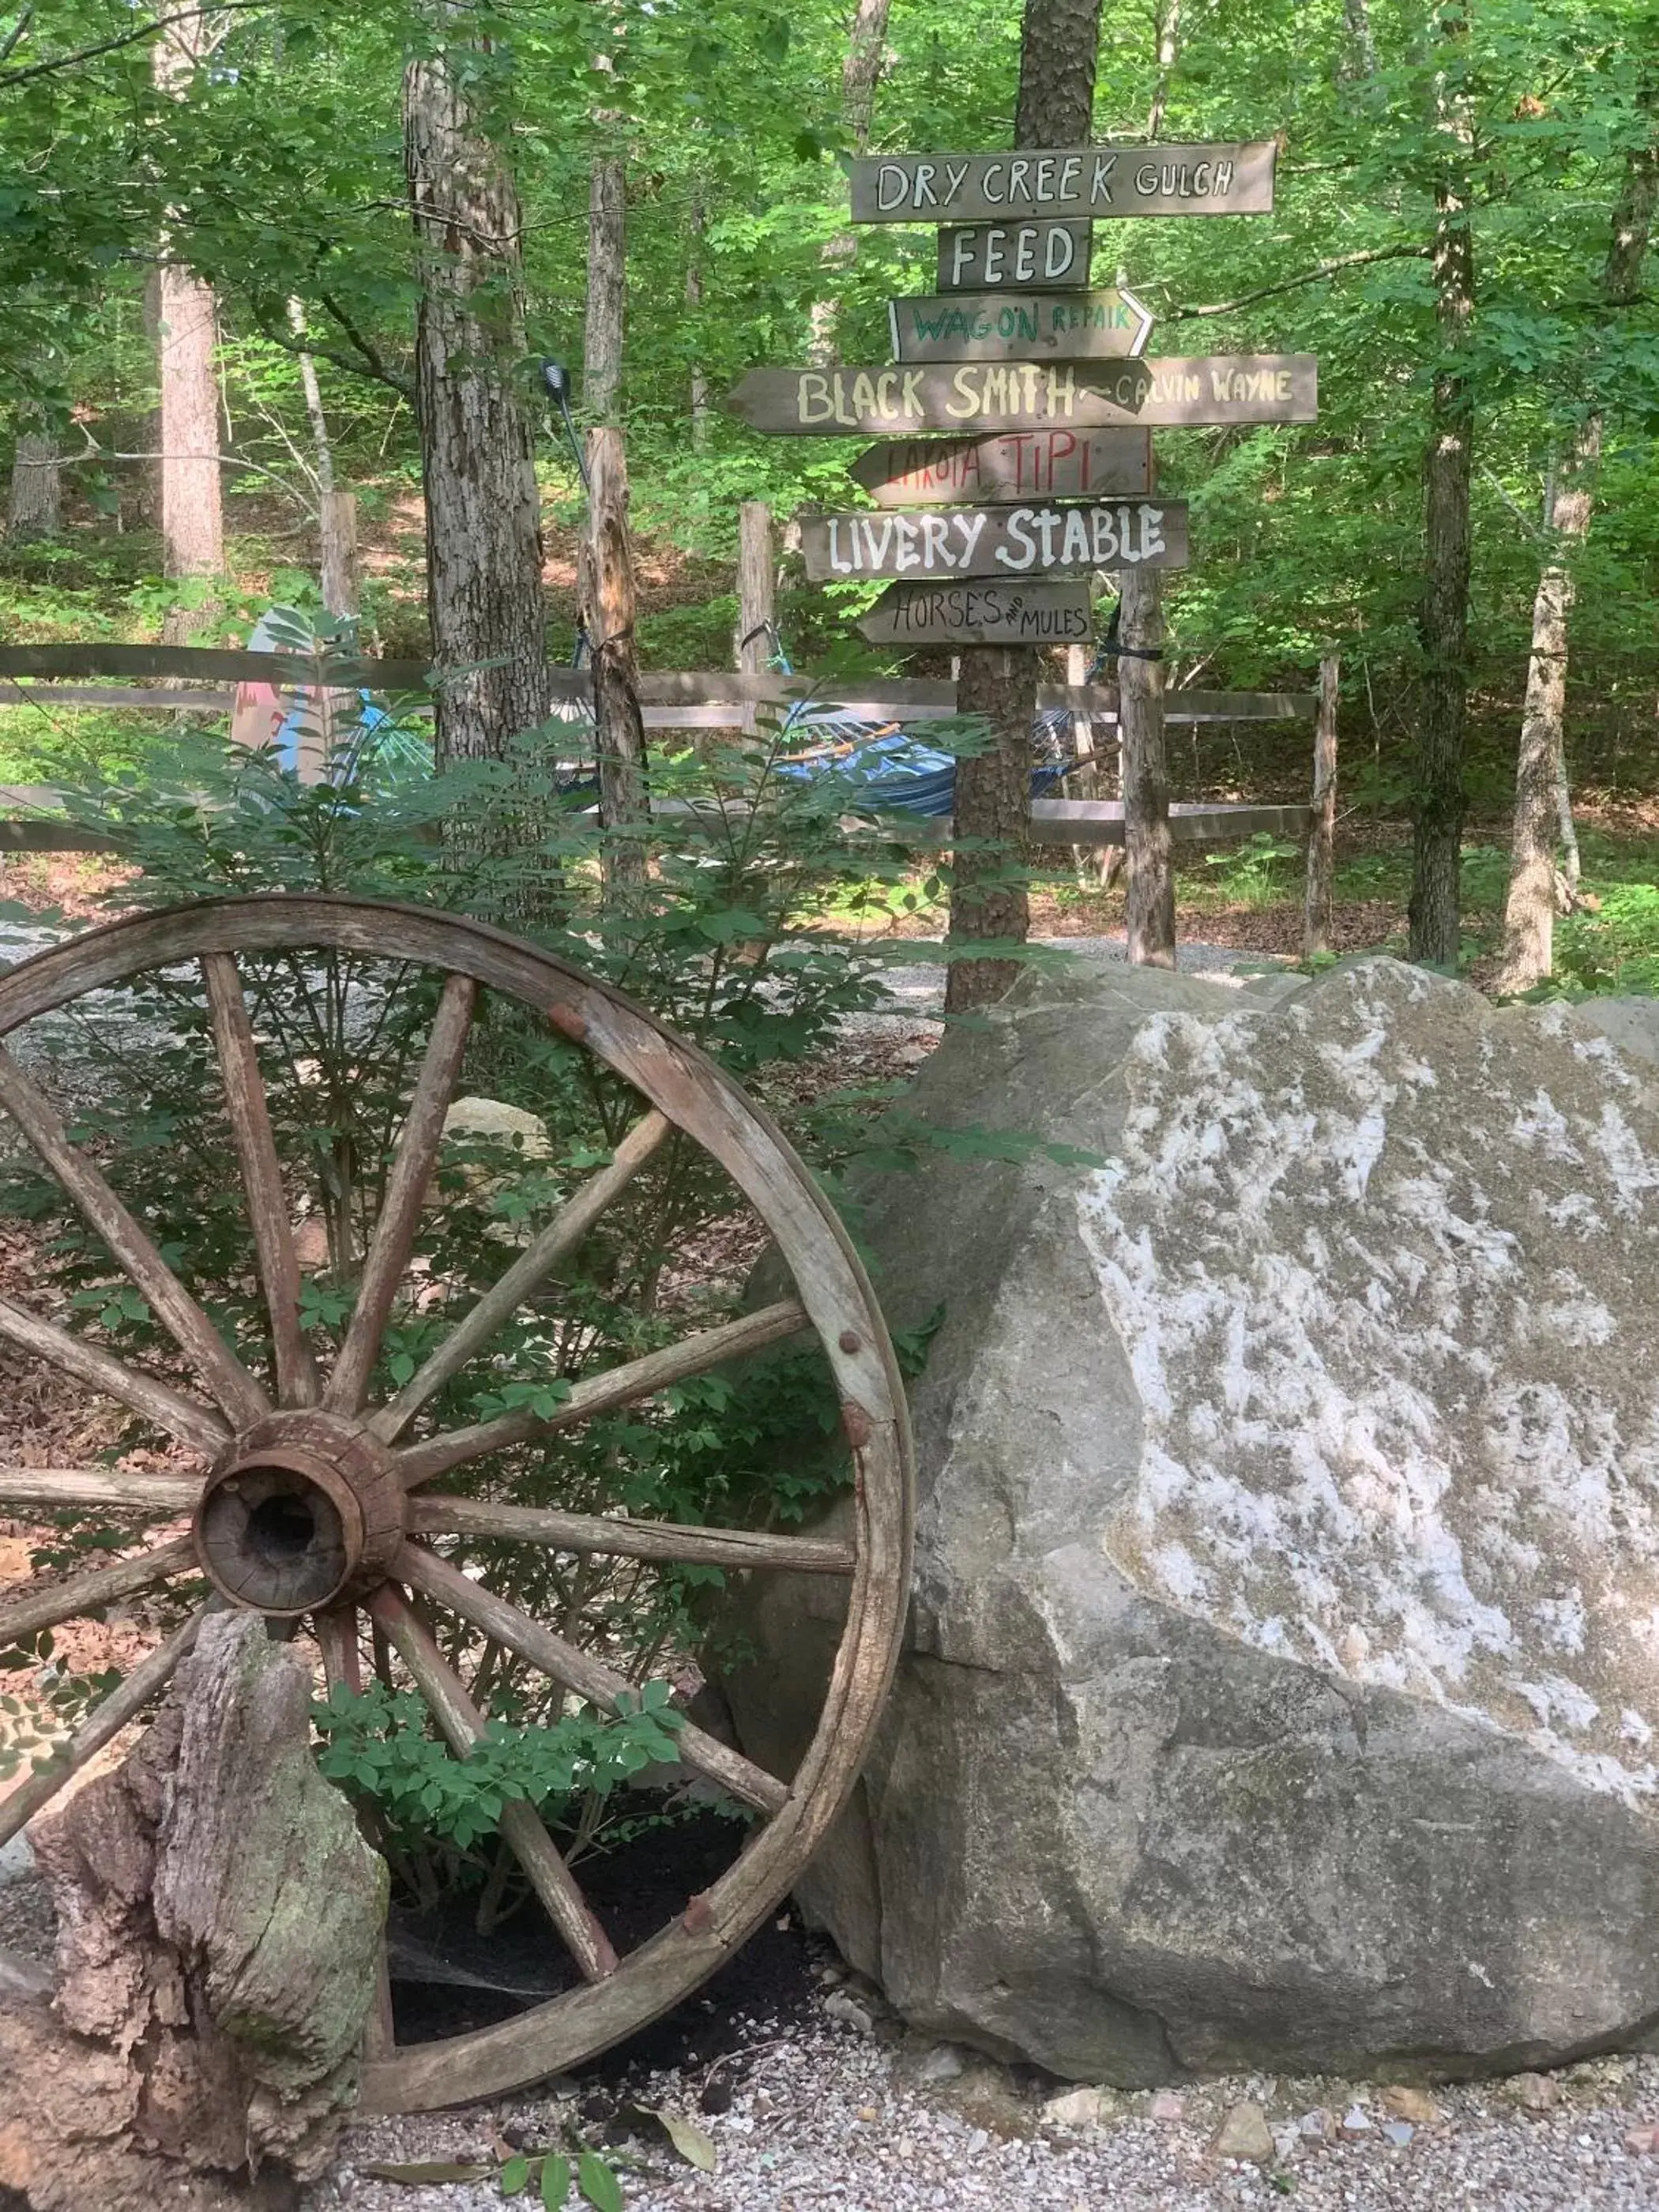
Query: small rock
{"type": "Point", "coordinates": [1399, 2132]}
{"type": "Point", "coordinates": [977, 2141]}
{"type": "Point", "coordinates": [1535, 2093]}
{"type": "Point", "coordinates": [1168, 2106]}
{"type": "Point", "coordinates": [16, 1860]}
{"type": "Point", "coordinates": [1357, 2121]}
{"type": "Point", "coordinates": [1318, 2126]}
{"type": "Point", "coordinates": [1244, 2133]}
{"type": "Point", "coordinates": [1414, 2104]}
{"type": "Point", "coordinates": [1643, 2142]}
{"type": "Point", "coordinates": [849, 2012]}
{"type": "Point", "coordinates": [943, 2062]}
{"type": "Point", "coordinates": [868, 2112]}
{"type": "Point", "coordinates": [1287, 2140]}
{"type": "Point", "coordinates": [1074, 2108]}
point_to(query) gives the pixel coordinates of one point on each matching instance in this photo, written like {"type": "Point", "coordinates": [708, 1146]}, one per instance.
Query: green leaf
{"type": "Point", "coordinates": [598, 2183]}
{"type": "Point", "coordinates": [515, 2177]}
{"type": "Point", "coordinates": [556, 2181]}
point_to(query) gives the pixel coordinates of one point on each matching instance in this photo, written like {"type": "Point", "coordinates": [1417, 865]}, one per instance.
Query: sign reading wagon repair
{"type": "Point", "coordinates": [1085, 180]}
{"type": "Point", "coordinates": [996, 541]}
{"type": "Point", "coordinates": [1017, 325]}
{"type": "Point", "coordinates": [1241, 387]}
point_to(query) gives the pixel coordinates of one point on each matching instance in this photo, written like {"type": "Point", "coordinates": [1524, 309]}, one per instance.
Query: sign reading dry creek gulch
{"type": "Point", "coordinates": [1020, 464]}
{"type": "Point", "coordinates": [1083, 180]}
{"type": "Point", "coordinates": [988, 256]}
{"type": "Point", "coordinates": [1018, 326]}
{"type": "Point", "coordinates": [1245, 387]}
{"type": "Point", "coordinates": [996, 541]}
{"type": "Point", "coordinates": [988, 613]}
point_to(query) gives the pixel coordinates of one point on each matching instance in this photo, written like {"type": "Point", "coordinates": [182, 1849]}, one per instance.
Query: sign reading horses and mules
{"type": "Point", "coordinates": [996, 541]}
{"type": "Point", "coordinates": [1015, 466]}
{"type": "Point", "coordinates": [988, 613]}
{"type": "Point", "coordinates": [1084, 181]}
{"type": "Point", "coordinates": [1017, 325]}
{"type": "Point", "coordinates": [1214, 388]}
{"type": "Point", "coordinates": [988, 256]}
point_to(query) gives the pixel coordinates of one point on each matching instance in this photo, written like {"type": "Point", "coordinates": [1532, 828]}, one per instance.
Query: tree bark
{"type": "Point", "coordinates": [33, 509]}
{"type": "Point", "coordinates": [699, 380]}
{"type": "Point", "coordinates": [1322, 826]}
{"type": "Point", "coordinates": [220, 1923]}
{"type": "Point", "coordinates": [607, 287]}
{"type": "Point", "coordinates": [1059, 46]}
{"type": "Point", "coordinates": [192, 497]}
{"type": "Point", "coordinates": [758, 590]}
{"type": "Point", "coordinates": [483, 541]}
{"type": "Point", "coordinates": [1443, 620]}
{"type": "Point", "coordinates": [861, 73]}
{"type": "Point", "coordinates": [1149, 913]}
{"type": "Point", "coordinates": [612, 613]}
{"type": "Point", "coordinates": [1541, 778]}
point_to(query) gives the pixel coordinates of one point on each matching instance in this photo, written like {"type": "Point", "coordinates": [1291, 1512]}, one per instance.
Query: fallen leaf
{"type": "Point", "coordinates": [688, 2138]}
{"type": "Point", "coordinates": [430, 2169]}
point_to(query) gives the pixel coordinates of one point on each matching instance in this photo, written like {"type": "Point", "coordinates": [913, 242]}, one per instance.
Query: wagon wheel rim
{"type": "Point", "coordinates": [314, 1437]}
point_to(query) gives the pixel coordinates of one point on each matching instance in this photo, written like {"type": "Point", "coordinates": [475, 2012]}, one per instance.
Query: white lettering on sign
{"type": "Point", "coordinates": [1122, 533]}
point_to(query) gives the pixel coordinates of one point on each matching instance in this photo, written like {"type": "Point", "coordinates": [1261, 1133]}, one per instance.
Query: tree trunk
{"type": "Point", "coordinates": [757, 589]}
{"type": "Point", "coordinates": [220, 1926]}
{"type": "Point", "coordinates": [483, 541]}
{"type": "Point", "coordinates": [619, 725]}
{"type": "Point", "coordinates": [33, 510]}
{"type": "Point", "coordinates": [1540, 777]}
{"type": "Point", "coordinates": [861, 73]}
{"type": "Point", "coordinates": [699, 381]}
{"type": "Point", "coordinates": [192, 506]}
{"type": "Point", "coordinates": [1149, 913]}
{"type": "Point", "coordinates": [337, 530]}
{"type": "Point", "coordinates": [1321, 825]}
{"type": "Point", "coordinates": [607, 287]}
{"type": "Point", "coordinates": [1443, 621]}
{"type": "Point", "coordinates": [1059, 43]}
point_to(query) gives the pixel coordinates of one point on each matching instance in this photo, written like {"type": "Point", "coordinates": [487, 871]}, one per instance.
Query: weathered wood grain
{"type": "Point", "coordinates": [986, 613]}
{"type": "Point", "coordinates": [1105, 325]}
{"type": "Point", "coordinates": [665, 1540]}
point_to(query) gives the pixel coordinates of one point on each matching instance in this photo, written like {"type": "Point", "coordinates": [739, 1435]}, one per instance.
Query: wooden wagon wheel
{"type": "Point", "coordinates": [315, 1503]}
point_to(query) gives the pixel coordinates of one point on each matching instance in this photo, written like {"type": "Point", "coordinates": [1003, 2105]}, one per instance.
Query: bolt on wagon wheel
{"type": "Point", "coordinates": [314, 1502]}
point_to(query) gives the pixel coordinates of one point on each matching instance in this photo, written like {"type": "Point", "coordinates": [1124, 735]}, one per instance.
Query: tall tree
{"type": "Point", "coordinates": [1060, 44]}
{"type": "Point", "coordinates": [1540, 768]}
{"type": "Point", "coordinates": [607, 286]}
{"type": "Point", "coordinates": [33, 508]}
{"type": "Point", "coordinates": [861, 73]}
{"type": "Point", "coordinates": [186, 341]}
{"type": "Point", "coordinates": [483, 538]}
{"type": "Point", "coordinates": [1444, 618]}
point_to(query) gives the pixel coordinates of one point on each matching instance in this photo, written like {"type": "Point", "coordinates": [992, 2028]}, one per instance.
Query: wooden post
{"type": "Point", "coordinates": [1151, 906]}
{"type": "Point", "coordinates": [757, 594]}
{"type": "Point", "coordinates": [619, 726]}
{"type": "Point", "coordinates": [337, 530]}
{"type": "Point", "coordinates": [1322, 820]}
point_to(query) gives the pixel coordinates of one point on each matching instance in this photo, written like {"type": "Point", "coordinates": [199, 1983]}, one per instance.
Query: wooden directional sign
{"type": "Point", "coordinates": [988, 613]}
{"type": "Point", "coordinates": [989, 255]}
{"type": "Point", "coordinates": [1018, 466]}
{"type": "Point", "coordinates": [996, 541]}
{"type": "Point", "coordinates": [1019, 326]}
{"type": "Point", "coordinates": [1248, 387]}
{"type": "Point", "coordinates": [1083, 180]}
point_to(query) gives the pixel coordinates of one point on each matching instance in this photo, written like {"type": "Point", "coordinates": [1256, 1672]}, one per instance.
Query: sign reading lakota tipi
{"type": "Point", "coordinates": [1017, 388]}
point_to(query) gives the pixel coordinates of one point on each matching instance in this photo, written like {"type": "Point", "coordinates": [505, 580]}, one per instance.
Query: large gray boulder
{"type": "Point", "coordinates": [1283, 1672]}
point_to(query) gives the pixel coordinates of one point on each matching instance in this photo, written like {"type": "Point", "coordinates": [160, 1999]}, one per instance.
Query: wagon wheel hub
{"type": "Point", "coordinates": [304, 1510]}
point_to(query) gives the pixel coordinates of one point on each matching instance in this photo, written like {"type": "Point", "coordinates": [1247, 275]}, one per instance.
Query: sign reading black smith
{"type": "Point", "coordinates": [1087, 180]}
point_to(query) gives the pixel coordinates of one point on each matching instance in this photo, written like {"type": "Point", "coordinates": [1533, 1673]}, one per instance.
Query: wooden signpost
{"type": "Point", "coordinates": [1019, 326]}
{"type": "Point", "coordinates": [1084, 181]}
{"type": "Point", "coordinates": [989, 256]}
{"type": "Point", "coordinates": [996, 541]}
{"type": "Point", "coordinates": [1214, 388]}
{"type": "Point", "coordinates": [1018, 464]}
{"type": "Point", "coordinates": [988, 613]}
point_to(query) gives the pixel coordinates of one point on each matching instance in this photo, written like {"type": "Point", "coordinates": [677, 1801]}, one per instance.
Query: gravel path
{"type": "Point", "coordinates": [921, 988]}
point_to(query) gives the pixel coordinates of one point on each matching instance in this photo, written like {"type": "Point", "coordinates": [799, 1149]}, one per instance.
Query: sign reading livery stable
{"type": "Point", "coordinates": [996, 541]}
{"type": "Point", "coordinates": [1086, 180]}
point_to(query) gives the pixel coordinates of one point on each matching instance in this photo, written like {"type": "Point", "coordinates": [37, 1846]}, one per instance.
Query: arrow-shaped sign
{"type": "Point", "coordinates": [1019, 326]}
{"type": "Point", "coordinates": [1004, 470]}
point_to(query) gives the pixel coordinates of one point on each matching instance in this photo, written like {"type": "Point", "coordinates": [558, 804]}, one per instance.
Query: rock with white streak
{"type": "Point", "coordinates": [1284, 1672]}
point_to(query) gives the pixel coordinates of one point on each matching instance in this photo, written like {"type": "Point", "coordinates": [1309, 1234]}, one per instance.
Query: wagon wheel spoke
{"type": "Point", "coordinates": [497, 1306]}
{"type": "Point", "coordinates": [603, 1393]}
{"type": "Point", "coordinates": [186, 1419]}
{"type": "Point", "coordinates": [229, 1382]}
{"type": "Point", "coordinates": [666, 1541]}
{"type": "Point", "coordinates": [83, 1594]}
{"type": "Point", "coordinates": [336, 1637]}
{"type": "Point", "coordinates": [261, 1179]}
{"type": "Point", "coordinates": [407, 1189]}
{"type": "Point", "coordinates": [104, 1724]}
{"type": "Point", "coordinates": [578, 1670]}
{"type": "Point", "coordinates": [99, 1485]}
{"type": "Point", "coordinates": [462, 1725]}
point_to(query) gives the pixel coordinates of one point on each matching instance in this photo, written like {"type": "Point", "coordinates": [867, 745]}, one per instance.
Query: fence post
{"type": "Point", "coordinates": [1150, 915]}
{"type": "Point", "coordinates": [619, 725]}
{"type": "Point", "coordinates": [337, 532]}
{"type": "Point", "coordinates": [757, 587]}
{"type": "Point", "coordinates": [1321, 816]}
